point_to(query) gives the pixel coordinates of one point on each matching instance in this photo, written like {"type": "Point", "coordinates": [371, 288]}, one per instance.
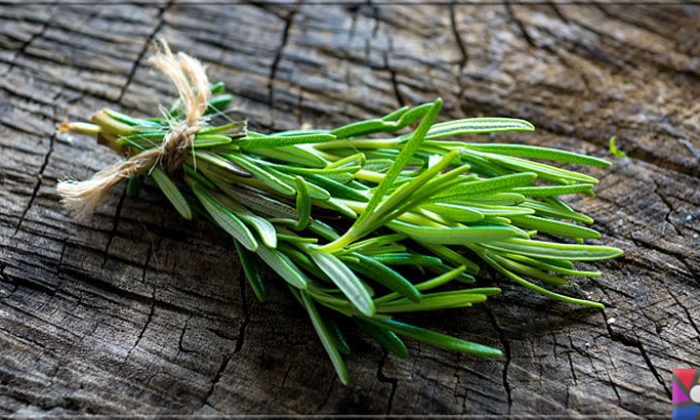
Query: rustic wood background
{"type": "Point", "coordinates": [137, 311]}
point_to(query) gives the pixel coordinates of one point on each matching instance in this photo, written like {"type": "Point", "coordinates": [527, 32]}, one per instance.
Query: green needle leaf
{"type": "Point", "coordinates": [402, 159]}
{"type": "Point", "coordinates": [337, 335]}
{"type": "Point", "coordinates": [133, 186]}
{"type": "Point", "coordinates": [492, 185]}
{"type": "Point", "coordinates": [303, 204]}
{"type": "Point", "coordinates": [210, 140]}
{"type": "Point", "coordinates": [283, 266]}
{"type": "Point", "coordinates": [267, 142]}
{"type": "Point", "coordinates": [315, 192]}
{"type": "Point", "coordinates": [614, 150]}
{"type": "Point", "coordinates": [235, 129]}
{"type": "Point", "coordinates": [384, 275]}
{"type": "Point", "coordinates": [436, 339]}
{"type": "Point", "coordinates": [263, 175]}
{"type": "Point", "coordinates": [218, 162]}
{"type": "Point", "coordinates": [539, 289]}
{"type": "Point", "coordinates": [391, 122]}
{"type": "Point", "coordinates": [454, 235]}
{"type": "Point", "coordinates": [548, 172]}
{"type": "Point", "coordinates": [455, 212]}
{"type": "Point", "coordinates": [431, 302]}
{"type": "Point", "coordinates": [142, 141]}
{"type": "Point", "coordinates": [477, 125]}
{"type": "Point", "coordinates": [172, 192]}
{"type": "Point", "coordinates": [265, 229]}
{"type": "Point", "coordinates": [326, 338]}
{"type": "Point", "coordinates": [250, 269]}
{"type": "Point", "coordinates": [384, 337]}
{"type": "Point", "coordinates": [555, 227]}
{"type": "Point", "coordinates": [224, 218]}
{"type": "Point", "coordinates": [529, 271]}
{"type": "Point", "coordinates": [345, 279]}
{"type": "Point", "coordinates": [403, 258]}
{"type": "Point", "coordinates": [551, 267]}
{"type": "Point", "coordinates": [336, 189]}
{"type": "Point", "coordinates": [321, 229]}
{"type": "Point", "coordinates": [293, 154]}
{"type": "Point", "coordinates": [554, 251]}
{"type": "Point", "coordinates": [546, 209]}
{"type": "Point", "coordinates": [538, 152]}
{"type": "Point", "coordinates": [553, 190]}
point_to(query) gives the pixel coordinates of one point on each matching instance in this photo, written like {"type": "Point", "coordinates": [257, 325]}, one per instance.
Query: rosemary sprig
{"type": "Point", "coordinates": [415, 199]}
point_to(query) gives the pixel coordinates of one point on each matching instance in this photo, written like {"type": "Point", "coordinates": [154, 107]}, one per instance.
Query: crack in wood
{"type": "Point", "coordinates": [180, 342]}
{"type": "Point", "coordinates": [394, 81]}
{"type": "Point", "coordinates": [246, 312]}
{"type": "Point", "coordinates": [39, 176]}
{"type": "Point", "coordinates": [37, 185]}
{"type": "Point", "coordinates": [670, 208]}
{"type": "Point", "coordinates": [45, 25]}
{"type": "Point", "coordinates": [506, 353]}
{"type": "Point", "coordinates": [288, 19]}
{"type": "Point", "coordinates": [130, 76]}
{"type": "Point", "coordinates": [381, 377]}
{"type": "Point", "coordinates": [632, 342]}
{"type": "Point", "coordinates": [461, 46]}
{"type": "Point", "coordinates": [458, 39]}
{"type": "Point", "coordinates": [142, 331]}
{"type": "Point", "coordinates": [685, 309]}
{"type": "Point", "coordinates": [571, 363]}
{"type": "Point", "coordinates": [626, 19]}
{"type": "Point", "coordinates": [115, 226]}
{"type": "Point", "coordinates": [519, 24]}
{"type": "Point", "coordinates": [688, 273]}
{"type": "Point", "coordinates": [217, 377]}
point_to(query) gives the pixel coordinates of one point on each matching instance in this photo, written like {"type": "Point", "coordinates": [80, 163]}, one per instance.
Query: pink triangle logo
{"type": "Point", "coordinates": [685, 394]}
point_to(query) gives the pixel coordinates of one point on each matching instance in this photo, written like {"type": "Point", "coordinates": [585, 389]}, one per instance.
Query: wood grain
{"type": "Point", "coordinates": [134, 311]}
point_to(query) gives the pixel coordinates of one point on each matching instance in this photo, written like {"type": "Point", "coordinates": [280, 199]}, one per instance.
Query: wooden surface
{"type": "Point", "coordinates": [137, 311]}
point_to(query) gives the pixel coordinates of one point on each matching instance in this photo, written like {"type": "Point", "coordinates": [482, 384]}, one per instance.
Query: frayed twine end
{"type": "Point", "coordinates": [189, 77]}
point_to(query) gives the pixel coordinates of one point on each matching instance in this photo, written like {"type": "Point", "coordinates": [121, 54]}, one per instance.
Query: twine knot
{"type": "Point", "coordinates": [176, 144]}
{"type": "Point", "coordinates": [190, 80]}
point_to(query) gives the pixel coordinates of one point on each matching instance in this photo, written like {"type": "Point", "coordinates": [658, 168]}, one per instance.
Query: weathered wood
{"type": "Point", "coordinates": [133, 311]}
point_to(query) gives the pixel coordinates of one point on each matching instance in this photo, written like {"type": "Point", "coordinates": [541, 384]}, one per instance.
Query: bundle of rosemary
{"type": "Point", "coordinates": [420, 209]}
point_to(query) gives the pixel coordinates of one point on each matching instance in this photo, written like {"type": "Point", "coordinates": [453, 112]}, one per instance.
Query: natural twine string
{"type": "Point", "coordinates": [190, 80]}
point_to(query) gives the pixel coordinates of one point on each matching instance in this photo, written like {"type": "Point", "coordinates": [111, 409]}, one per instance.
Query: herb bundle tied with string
{"type": "Point", "coordinates": [421, 210]}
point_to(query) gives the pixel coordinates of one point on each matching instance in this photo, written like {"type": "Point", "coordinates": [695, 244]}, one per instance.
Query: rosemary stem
{"type": "Point", "coordinates": [347, 238]}
{"type": "Point", "coordinates": [359, 144]}
{"type": "Point", "coordinates": [80, 128]}
{"type": "Point", "coordinates": [370, 176]}
{"type": "Point", "coordinates": [110, 125]}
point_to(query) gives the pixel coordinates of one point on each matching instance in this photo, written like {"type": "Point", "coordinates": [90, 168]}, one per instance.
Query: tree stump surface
{"type": "Point", "coordinates": [135, 311]}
